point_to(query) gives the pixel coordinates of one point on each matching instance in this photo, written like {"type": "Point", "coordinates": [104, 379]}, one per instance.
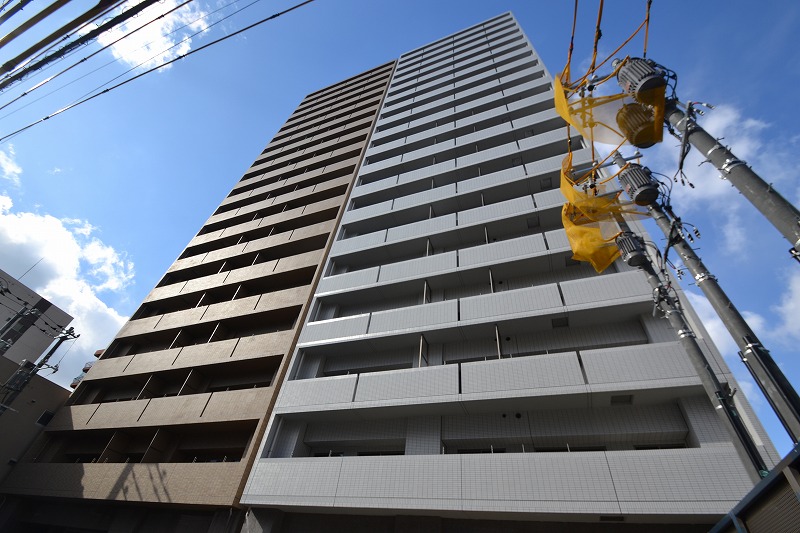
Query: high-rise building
{"type": "Point", "coordinates": [382, 327]}
{"type": "Point", "coordinates": [173, 412]}
{"type": "Point", "coordinates": [458, 371]}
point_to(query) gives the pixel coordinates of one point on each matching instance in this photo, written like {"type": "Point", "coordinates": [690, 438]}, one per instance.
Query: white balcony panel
{"type": "Point", "coordinates": [335, 328]}
{"type": "Point", "coordinates": [358, 242]}
{"type": "Point", "coordinates": [521, 373]}
{"type": "Point", "coordinates": [577, 482]}
{"type": "Point", "coordinates": [495, 179]}
{"type": "Point", "coordinates": [418, 316]}
{"type": "Point", "coordinates": [613, 287]}
{"type": "Point", "coordinates": [366, 212]}
{"type": "Point", "coordinates": [425, 197]}
{"type": "Point", "coordinates": [426, 172]}
{"type": "Point", "coordinates": [348, 280]}
{"type": "Point", "coordinates": [421, 228]}
{"type": "Point", "coordinates": [320, 391]}
{"type": "Point", "coordinates": [557, 240]}
{"type": "Point", "coordinates": [402, 482]}
{"type": "Point", "coordinates": [543, 139]}
{"type": "Point", "coordinates": [644, 362]}
{"type": "Point", "coordinates": [369, 188]}
{"type": "Point", "coordinates": [500, 210]}
{"type": "Point", "coordinates": [508, 150]}
{"type": "Point", "coordinates": [553, 164]}
{"type": "Point", "coordinates": [528, 300]}
{"type": "Point", "coordinates": [498, 252]}
{"type": "Point", "coordinates": [549, 199]}
{"type": "Point", "coordinates": [686, 479]}
{"type": "Point", "coordinates": [296, 481]}
{"type": "Point", "coordinates": [418, 267]}
{"type": "Point", "coordinates": [414, 383]}
{"type": "Point", "coordinates": [691, 481]}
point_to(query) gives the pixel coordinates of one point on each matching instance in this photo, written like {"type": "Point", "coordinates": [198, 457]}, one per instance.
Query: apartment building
{"type": "Point", "coordinates": [458, 371]}
{"type": "Point", "coordinates": [160, 434]}
{"type": "Point", "coordinates": [381, 329]}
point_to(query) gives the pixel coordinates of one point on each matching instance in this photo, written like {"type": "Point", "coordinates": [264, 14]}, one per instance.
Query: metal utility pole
{"type": "Point", "coordinates": [766, 373]}
{"type": "Point", "coordinates": [17, 382]}
{"type": "Point", "coordinates": [634, 255]}
{"type": "Point", "coordinates": [782, 214]}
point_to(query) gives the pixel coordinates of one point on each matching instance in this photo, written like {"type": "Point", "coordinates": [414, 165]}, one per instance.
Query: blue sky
{"type": "Point", "coordinates": [110, 192]}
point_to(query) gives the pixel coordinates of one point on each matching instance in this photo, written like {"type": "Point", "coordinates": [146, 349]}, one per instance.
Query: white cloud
{"type": "Point", "coordinates": [726, 345]}
{"type": "Point", "coordinates": [788, 311]}
{"type": "Point", "coordinates": [9, 169]}
{"type": "Point", "coordinates": [74, 268]}
{"type": "Point", "coordinates": [716, 329]}
{"type": "Point", "coordinates": [159, 42]}
{"type": "Point", "coordinates": [113, 270]}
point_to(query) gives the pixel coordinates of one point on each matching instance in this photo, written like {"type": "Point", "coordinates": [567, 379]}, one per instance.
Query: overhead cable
{"type": "Point", "coordinates": [116, 60]}
{"type": "Point", "coordinates": [191, 52]}
{"type": "Point", "coordinates": [12, 11]}
{"type": "Point", "coordinates": [116, 21]}
{"type": "Point", "coordinates": [102, 7]}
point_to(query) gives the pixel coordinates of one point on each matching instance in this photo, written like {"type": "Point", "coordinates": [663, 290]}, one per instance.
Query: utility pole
{"type": "Point", "coordinates": [775, 208]}
{"type": "Point", "coordinates": [766, 373]}
{"type": "Point", "coordinates": [17, 382]}
{"type": "Point", "coordinates": [634, 254]}
{"type": "Point", "coordinates": [640, 77]}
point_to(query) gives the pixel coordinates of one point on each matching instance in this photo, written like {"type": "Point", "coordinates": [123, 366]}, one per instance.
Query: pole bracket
{"type": "Point", "coordinates": [730, 164]}
{"type": "Point", "coordinates": [703, 276]}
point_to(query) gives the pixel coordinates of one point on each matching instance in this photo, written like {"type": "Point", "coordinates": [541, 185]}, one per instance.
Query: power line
{"type": "Point", "coordinates": [26, 303]}
{"type": "Point", "coordinates": [187, 38]}
{"type": "Point", "coordinates": [117, 60]}
{"type": "Point", "coordinates": [191, 52]}
{"type": "Point", "coordinates": [91, 36]}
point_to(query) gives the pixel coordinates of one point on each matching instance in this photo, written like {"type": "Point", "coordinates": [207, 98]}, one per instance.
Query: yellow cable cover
{"type": "Point", "coordinates": [584, 213]}
{"type": "Point", "coordinates": [613, 119]}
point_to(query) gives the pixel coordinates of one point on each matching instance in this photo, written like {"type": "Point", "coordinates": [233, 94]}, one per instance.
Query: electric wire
{"type": "Point", "coordinates": [117, 60]}
{"type": "Point", "coordinates": [178, 58]}
{"type": "Point", "coordinates": [91, 36]}
{"type": "Point", "coordinates": [28, 304]}
{"type": "Point", "coordinates": [187, 38]}
{"type": "Point", "coordinates": [23, 60]}
{"type": "Point", "coordinates": [77, 24]}
{"type": "Point", "coordinates": [65, 354]}
{"type": "Point", "coordinates": [51, 78]}
{"type": "Point", "coordinates": [34, 325]}
{"type": "Point", "coordinates": [13, 11]}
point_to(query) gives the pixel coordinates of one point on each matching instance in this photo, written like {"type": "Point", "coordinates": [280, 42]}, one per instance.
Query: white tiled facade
{"type": "Point", "coordinates": [456, 362]}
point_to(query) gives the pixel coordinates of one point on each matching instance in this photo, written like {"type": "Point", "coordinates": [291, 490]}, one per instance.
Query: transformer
{"type": "Point", "coordinates": [631, 249]}
{"type": "Point", "coordinates": [638, 184]}
{"type": "Point", "coordinates": [637, 122]}
{"type": "Point", "coordinates": [639, 78]}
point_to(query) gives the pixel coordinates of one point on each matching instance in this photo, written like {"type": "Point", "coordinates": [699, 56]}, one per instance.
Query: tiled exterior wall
{"type": "Point", "coordinates": [456, 359]}
{"type": "Point", "coordinates": [182, 395]}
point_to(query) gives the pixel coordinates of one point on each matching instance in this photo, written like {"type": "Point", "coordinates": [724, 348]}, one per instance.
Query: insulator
{"type": "Point", "coordinates": [639, 77]}
{"type": "Point", "coordinates": [637, 123]}
{"type": "Point", "coordinates": [639, 185]}
{"type": "Point", "coordinates": [631, 249]}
